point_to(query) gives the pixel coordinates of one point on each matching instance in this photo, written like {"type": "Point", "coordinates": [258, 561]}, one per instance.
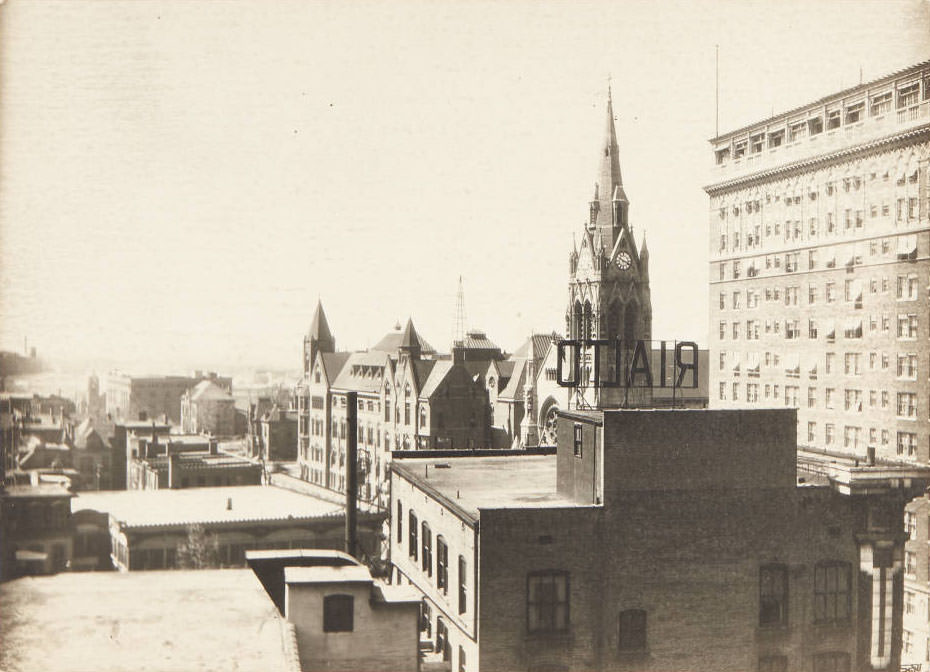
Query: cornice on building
{"type": "Point", "coordinates": [804, 165]}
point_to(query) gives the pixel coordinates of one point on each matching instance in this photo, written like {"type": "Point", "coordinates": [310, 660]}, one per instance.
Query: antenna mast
{"type": "Point", "coordinates": [459, 335]}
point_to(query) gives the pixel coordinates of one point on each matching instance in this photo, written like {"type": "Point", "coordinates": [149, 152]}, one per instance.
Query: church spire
{"type": "Point", "coordinates": [609, 195]}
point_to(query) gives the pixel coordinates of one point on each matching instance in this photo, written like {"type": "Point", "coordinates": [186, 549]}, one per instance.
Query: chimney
{"type": "Point", "coordinates": [458, 353]}
{"type": "Point", "coordinates": [213, 446]}
{"type": "Point", "coordinates": [351, 472]}
{"type": "Point", "coordinates": [172, 469]}
{"type": "Point", "coordinates": [229, 503]}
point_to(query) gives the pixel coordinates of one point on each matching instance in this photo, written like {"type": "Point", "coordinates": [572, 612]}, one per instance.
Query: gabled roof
{"type": "Point", "coordinates": [514, 389]}
{"type": "Point", "coordinates": [207, 390]}
{"type": "Point", "coordinates": [536, 346]}
{"type": "Point", "coordinates": [333, 363]}
{"type": "Point", "coordinates": [363, 372]}
{"type": "Point", "coordinates": [438, 374]}
{"type": "Point", "coordinates": [394, 339]}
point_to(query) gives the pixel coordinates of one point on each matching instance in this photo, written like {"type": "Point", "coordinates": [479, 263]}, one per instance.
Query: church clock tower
{"type": "Point", "coordinates": [608, 287]}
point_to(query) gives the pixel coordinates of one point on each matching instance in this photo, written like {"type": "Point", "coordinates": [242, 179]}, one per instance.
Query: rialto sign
{"type": "Point", "coordinates": [641, 364]}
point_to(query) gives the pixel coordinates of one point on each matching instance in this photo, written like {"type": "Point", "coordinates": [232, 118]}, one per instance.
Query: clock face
{"type": "Point", "coordinates": [624, 261]}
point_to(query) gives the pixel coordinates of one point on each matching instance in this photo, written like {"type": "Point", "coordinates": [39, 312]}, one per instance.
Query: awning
{"type": "Point", "coordinates": [736, 362]}
{"type": "Point", "coordinates": [793, 363]}
{"type": "Point", "coordinates": [831, 330]}
{"type": "Point", "coordinates": [856, 291]}
{"type": "Point", "coordinates": [812, 367]}
{"type": "Point", "coordinates": [853, 328]}
{"type": "Point", "coordinates": [907, 246]}
{"type": "Point", "coordinates": [753, 363]}
{"type": "Point", "coordinates": [25, 555]}
{"type": "Point", "coordinates": [830, 258]}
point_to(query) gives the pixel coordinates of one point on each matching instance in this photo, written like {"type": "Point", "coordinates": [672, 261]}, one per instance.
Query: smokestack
{"type": "Point", "coordinates": [351, 471]}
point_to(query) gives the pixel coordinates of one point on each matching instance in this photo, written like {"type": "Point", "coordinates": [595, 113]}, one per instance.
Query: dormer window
{"type": "Point", "coordinates": [833, 119]}
{"type": "Point", "coordinates": [815, 125]}
{"type": "Point", "coordinates": [722, 155]}
{"type": "Point", "coordinates": [776, 139]}
{"type": "Point", "coordinates": [755, 143]}
{"type": "Point", "coordinates": [740, 149]}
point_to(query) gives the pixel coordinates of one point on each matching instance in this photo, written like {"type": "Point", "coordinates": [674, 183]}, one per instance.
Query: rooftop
{"type": "Point", "coordinates": [135, 508]}
{"type": "Point", "coordinates": [158, 620]}
{"type": "Point", "coordinates": [473, 483]}
{"type": "Point", "coordinates": [37, 491]}
{"type": "Point", "coordinates": [322, 574]}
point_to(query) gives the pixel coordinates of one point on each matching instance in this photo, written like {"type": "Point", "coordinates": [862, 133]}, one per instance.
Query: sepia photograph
{"type": "Point", "coordinates": [465, 336]}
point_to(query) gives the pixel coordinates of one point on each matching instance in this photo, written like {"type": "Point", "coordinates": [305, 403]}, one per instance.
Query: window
{"type": "Point", "coordinates": [400, 522]}
{"type": "Point", "coordinates": [773, 664]}
{"type": "Point", "coordinates": [576, 442]}
{"type": "Point", "coordinates": [338, 613]}
{"type": "Point", "coordinates": [387, 408]}
{"type": "Point", "coordinates": [829, 434]}
{"type": "Point", "coordinates": [412, 524]}
{"type": "Point", "coordinates": [880, 104]}
{"type": "Point", "coordinates": [427, 549]}
{"type": "Point", "coordinates": [773, 595]}
{"type": "Point", "coordinates": [908, 602]}
{"type": "Point", "coordinates": [907, 365]}
{"type": "Point", "coordinates": [632, 634]}
{"type": "Point", "coordinates": [461, 659]}
{"type": "Point", "coordinates": [442, 640]}
{"type": "Point", "coordinates": [910, 525]}
{"type": "Point", "coordinates": [463, 585]}
{"type": "Point", "coordinates": [442, 565]}
{"type": "Point", "coordinates": [907, 405]}
{"type": "Point", "coordinates": [907, 444]}
{"type": "Point", "coordinates": [835, 661]}
{"type": "Point", "coordinates": [910, 563]}
{"type": "Point", "coordinates": [907, 326]}
{"type": "Point", "coordinates": [426, 618]}
{"type": "Point", "coordinates": [547, 601]}
{"type": "Point", "coordinates": [854, 113]}
{"type": "Point", "coordinates": [832, 592]}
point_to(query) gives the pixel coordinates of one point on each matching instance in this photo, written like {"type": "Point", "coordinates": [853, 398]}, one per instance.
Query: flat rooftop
{"type": "Point", "coordinates": [162, 621]}
{"type": "Point", "coordinates": [473, 483]}
{"type": "Point", "coordinates": [136, 508]}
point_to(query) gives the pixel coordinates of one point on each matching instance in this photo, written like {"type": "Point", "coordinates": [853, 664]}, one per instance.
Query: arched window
{"type": "Point", "coordinates": [629, 322]}
{"type": "Point", "coordinates": [422, 416]}
{"type": "Point", "coordinates": [588, 321]}
{"type": "Point", "coordinates": [632, 630]}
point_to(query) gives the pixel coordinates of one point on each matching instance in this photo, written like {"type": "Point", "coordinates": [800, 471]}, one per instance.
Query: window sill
{"type": "Point", "coordinates": [553, 638]}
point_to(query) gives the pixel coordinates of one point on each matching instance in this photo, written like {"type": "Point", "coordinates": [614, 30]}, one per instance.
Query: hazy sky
{"type": "Point", "coordinates": [180, 181]}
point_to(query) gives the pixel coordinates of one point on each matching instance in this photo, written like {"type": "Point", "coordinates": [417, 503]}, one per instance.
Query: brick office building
{"type": "Point", "coordinates": [655, 540]}
{"type": "Point", "coordinates": [819, 255]}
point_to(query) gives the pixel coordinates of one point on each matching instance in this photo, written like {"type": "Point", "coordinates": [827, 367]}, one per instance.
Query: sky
{"type": "Point", "coordinates": [181, 181]}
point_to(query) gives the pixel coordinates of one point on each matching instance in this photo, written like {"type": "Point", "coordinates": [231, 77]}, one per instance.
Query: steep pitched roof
{"type": "Point", "coordinates": [393, 341]}
{"type": "Point", "coordinates": [536, 346]}
{"type": "Point", "coordinates": [333, 362]}
{"type": "Point", "coordinates": [438, 374]}
{"type": "Point", "coordinates": [319, 327]}
{"type": "Point", "coordinates": [514, 388]}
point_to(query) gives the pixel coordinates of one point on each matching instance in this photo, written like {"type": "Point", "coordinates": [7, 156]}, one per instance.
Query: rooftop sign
{"type": "Point", "coordinates": [627, 363]}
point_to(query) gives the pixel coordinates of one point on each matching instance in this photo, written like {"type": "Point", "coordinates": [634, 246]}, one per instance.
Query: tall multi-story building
{"type": "Point", "coordinates": [819, 264]}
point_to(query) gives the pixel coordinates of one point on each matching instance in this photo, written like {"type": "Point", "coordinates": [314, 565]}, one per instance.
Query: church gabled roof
{"type": "Point", "coordinates": [319, 327]}
{"type": "Point", "coordinates": [393, 341]}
